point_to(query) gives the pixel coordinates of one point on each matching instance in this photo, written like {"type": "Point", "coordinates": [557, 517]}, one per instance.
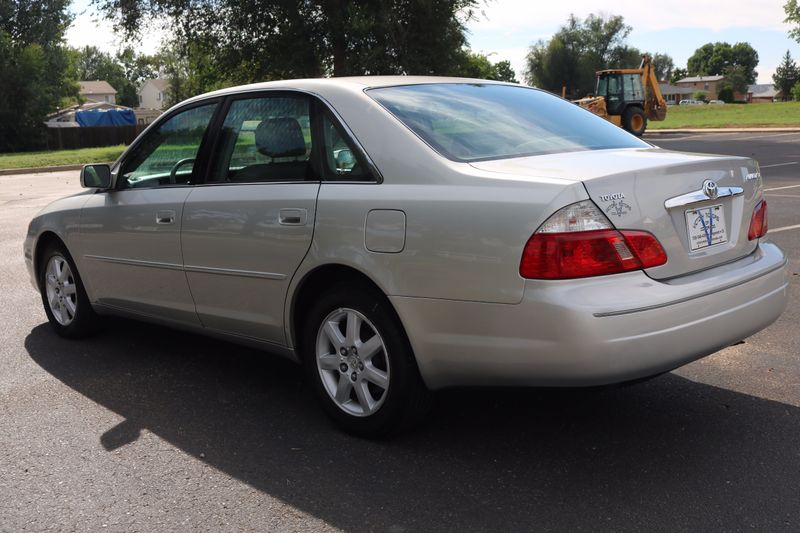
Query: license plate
{"type": "Point", "coordinates": [706, 227]}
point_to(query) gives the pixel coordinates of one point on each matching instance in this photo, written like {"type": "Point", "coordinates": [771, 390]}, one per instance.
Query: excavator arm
{"type": "Point", "coordinates": [655, 107]}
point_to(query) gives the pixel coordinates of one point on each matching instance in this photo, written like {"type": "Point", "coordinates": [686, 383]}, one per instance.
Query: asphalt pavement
{"type": "Point", "coordinates": [143, 428]}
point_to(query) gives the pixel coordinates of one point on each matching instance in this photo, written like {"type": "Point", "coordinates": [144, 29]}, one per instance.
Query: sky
{"type": "Point", "coordinates": [505, 29]}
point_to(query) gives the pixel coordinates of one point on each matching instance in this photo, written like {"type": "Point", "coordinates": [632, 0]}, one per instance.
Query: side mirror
{"type": "Point", "coordinates": [344, 161]}
{"type": "Point", "coordinates": [96, 176]}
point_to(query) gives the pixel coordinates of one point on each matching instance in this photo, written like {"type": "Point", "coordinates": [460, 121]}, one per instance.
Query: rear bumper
{"type": "Point", "coordinates": [595, 331]}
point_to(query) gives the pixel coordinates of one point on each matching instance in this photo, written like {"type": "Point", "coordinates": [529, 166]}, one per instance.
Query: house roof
{"type": "Point", "coordinates": [96, 87]}
{"type": "Point", "coordinates": [159, 83]}
{"type": "Point", "coordinates": [763, 90]}
{"type": "Point", "coordinates": [696, 79]}
{"type": "Point", "coordinates": [666, 88]}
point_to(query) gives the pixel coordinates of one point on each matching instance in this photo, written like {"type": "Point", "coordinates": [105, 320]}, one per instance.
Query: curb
{"type": "Point", "coordinates": [39, 170]}
{"type": "Point", "coordinates": [723, 130]}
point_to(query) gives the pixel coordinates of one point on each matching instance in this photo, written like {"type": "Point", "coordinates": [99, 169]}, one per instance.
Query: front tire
{"type": "Point", "coordinates": [65, 302]}
{"type": "Point", "coordinates": [360, 363]}
{"type": "Point", "coordinates": [634, 120]}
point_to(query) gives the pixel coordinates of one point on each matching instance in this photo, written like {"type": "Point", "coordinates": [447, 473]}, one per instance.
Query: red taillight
{"type": "Point", "coordinates": [582, 254]}
{"type": "Point", "coordinates": [758, 224]}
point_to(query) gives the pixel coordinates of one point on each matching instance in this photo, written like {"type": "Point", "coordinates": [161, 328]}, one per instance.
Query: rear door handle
{"type": "Point", "coordinates": [165, 217]}
{"type": "Point", "coordinates": [293, 217]}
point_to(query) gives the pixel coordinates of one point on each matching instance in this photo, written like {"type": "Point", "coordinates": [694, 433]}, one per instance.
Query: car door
{"type": "Point", "coordinates": [246, 230]}
{"type": "Point", "coordinates": [130, 236]}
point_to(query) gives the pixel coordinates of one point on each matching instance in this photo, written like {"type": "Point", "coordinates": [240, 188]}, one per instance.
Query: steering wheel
{"type": "Point", "coordinates": [173, 174]}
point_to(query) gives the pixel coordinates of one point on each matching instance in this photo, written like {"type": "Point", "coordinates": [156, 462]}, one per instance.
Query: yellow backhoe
{"type": "Point", "coordinates": [628, 97]}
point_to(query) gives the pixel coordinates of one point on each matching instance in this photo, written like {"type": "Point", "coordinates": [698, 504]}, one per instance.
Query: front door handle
{"type": "Point", "coordinates": [165, 217]}
{"type": "Point", "coordinates": [293, 217]}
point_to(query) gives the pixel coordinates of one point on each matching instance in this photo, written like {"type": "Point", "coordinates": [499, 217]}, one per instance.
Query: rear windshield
{"type": "Point", "coordinates": [476, 122]}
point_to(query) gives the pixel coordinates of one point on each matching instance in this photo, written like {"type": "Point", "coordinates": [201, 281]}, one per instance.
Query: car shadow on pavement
{"type": "Point", "coordinates": [672, 452]}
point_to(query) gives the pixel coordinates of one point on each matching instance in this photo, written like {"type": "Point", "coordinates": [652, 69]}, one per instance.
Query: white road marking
{"type": "Point", "coordinates": [773, 195]}
{"type": "Point", "coordinates": [785, 228]}
{"type": "Point", "coordinates": [779, 164]}
{"type": "Point", "coordinates": [781, 188]}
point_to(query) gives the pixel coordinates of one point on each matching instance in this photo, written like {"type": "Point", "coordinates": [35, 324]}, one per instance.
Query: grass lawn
{"type": "Point", "coordinates": [60, 157]}
{"type": "Point", "coordinates": [730, 115]}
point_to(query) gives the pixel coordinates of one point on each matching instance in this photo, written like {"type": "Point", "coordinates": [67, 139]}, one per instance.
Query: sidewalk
{"type": "Point", "coordinates": [788, 129]}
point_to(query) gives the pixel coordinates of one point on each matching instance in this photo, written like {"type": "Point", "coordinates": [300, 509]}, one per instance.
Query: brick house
{"type": "Point", "coordinates": [674, 94]}
{"type": "Point", "coordinates": [762, 93]}
{"type": "Point", "coordinates": [707, 84]}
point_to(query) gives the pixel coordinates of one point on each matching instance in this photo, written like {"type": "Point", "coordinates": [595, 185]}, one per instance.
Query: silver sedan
{"type": "Point", "coordinates": [398, 235]}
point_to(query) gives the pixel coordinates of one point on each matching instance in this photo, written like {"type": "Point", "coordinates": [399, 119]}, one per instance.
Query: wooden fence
{"type": "Point", "coordinates": [72, 138]}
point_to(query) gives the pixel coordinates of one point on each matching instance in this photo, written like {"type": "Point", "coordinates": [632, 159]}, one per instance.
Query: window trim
{"type": "Point", "coordinates": [315, 100]}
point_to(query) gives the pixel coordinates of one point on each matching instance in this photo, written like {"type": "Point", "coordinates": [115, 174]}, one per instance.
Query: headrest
{"type": "Point", "coordinates": [280, 137]}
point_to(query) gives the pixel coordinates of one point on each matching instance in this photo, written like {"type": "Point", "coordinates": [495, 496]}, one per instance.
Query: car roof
{"type": "Point", "coordinates": [352, 82]}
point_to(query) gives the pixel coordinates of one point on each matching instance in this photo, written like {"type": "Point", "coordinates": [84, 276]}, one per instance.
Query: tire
{"type": "Point", "coordinates": [65, 302]}
{"type": "Point", "coordinates": [371, 391]}
{"type": "Point", "coordinates": [634, 120]}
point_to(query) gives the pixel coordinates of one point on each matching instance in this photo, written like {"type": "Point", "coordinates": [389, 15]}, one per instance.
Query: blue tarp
{"type": "Point", "coordinates": [105, 117]}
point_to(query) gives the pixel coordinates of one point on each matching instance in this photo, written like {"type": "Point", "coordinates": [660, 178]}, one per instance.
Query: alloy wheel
{"type": "Point", "coordinates": [62, 293]}
{"type": "Point", "coordinates": [352, 362]}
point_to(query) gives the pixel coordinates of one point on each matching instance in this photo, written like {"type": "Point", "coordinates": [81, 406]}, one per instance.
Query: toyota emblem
{"type": "Point", "coordinates": [710, 189]}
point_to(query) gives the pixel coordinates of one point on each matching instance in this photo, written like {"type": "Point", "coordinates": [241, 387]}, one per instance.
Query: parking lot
{"type": "Point", "coordinates": [146, 428]}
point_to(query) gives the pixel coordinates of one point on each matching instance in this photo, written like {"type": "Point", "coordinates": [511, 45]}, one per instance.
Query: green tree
{"type": "Point", "coordinates": [92, 64]}
{"type": "Point", "coordinates": [736, 78]}
{"type": "Point", "coordinates": [477, 65]}
{"type": "Point", "coordinates": [242, 41]}
{"type": "Point", "coordinates": [725, 94]}
{"type": "Point", "coordinates": [579, 48]}
{"type": "Point", "coordinates": [792, 10]}
{"type": "Point", "coordinates": [35, 66]}
{"type": "Point", "coordinates": [139, 67]}
{"type": "Point", "coordinates": [700, 95]}
{"type": "Point", "coordinates": [678, 74]}
{"type": "Point", "coordinates": [786, 76]}
{"type": "Point", "coordinates": [189, 70]}
{"type": "Point", "coordinates": [715, 58]}
{"type": "Point", "coordinates": [796, 91]}
{"type": "Point", "coordinates": [504, 72]}
{"type": "Point", "coordinates": [662, 66]}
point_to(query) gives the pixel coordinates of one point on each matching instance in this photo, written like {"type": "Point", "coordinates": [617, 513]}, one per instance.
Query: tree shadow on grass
{"type": "Point", "coordinates": [666, 454]}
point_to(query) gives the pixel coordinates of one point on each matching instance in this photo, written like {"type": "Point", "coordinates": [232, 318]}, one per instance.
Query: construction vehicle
{"type": "Point", "coordinates": [628, 97]}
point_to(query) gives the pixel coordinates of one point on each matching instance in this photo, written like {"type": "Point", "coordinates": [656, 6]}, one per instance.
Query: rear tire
{"type": "Point", "coordinates": [65, 302]}
{"type": "Point", "coordinates": [359, 361]}
{"type": "Point", "coordinates": [634, 120]}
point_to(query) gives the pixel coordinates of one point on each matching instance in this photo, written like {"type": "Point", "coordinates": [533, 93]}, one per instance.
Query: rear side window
{"type": "Point", "coordinates": [476, 122]}
{"type": "Point", "coordinates": [265, 139]}
{"type": "Point", "coordinates": [341, 160]}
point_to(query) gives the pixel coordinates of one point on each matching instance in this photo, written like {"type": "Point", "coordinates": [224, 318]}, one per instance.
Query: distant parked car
{"type": "Point", "coordinates": [690, 101]}
{"type": "Point", "coordinates": [716, 102]}
{"type": "Point", "coordinates": [397, 235]}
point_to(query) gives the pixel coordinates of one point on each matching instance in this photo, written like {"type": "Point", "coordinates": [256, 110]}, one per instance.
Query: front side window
{"type": "Point", "coordinates": [167, 154]}
{"type": "Point", "coordinates": [265, 139]}
{"type": "Point", "coordinates": [476, 122]}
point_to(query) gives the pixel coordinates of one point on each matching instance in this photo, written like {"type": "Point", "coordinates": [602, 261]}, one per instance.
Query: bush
{"type": "Point", "coordinates": [796, 91]}
{"type": "Point", "coordinates": [700, 95]}
{"type": "Point", "coordinates": [726, 95]}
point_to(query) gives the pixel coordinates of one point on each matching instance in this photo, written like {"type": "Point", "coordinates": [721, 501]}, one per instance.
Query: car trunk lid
{"type": "Point", "coordinates": [663, 193]}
